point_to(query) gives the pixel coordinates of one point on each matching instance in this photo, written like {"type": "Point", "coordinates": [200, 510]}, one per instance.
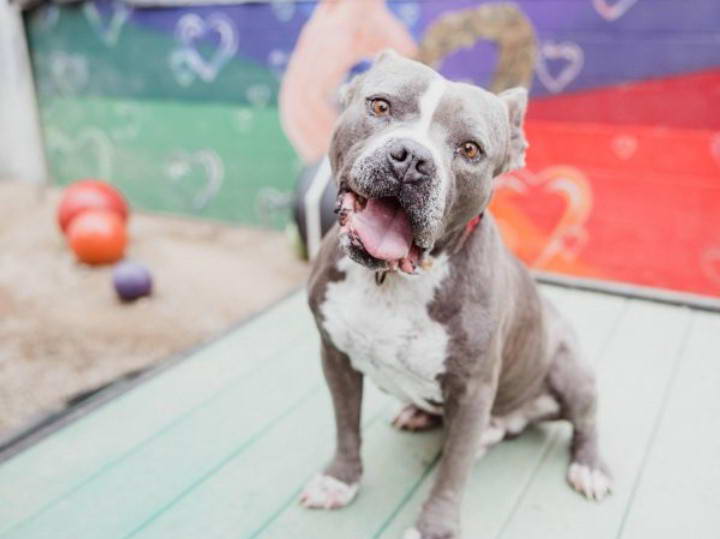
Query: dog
{"type": "Point", "coordinates": [414, 289]}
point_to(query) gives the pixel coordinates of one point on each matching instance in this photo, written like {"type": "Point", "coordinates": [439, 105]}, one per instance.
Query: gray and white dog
{"type": "Point", "coordinates": [435, 311]}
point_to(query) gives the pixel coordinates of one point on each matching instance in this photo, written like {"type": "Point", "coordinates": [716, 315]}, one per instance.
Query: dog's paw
{"type": "Point", "coordinates": [593, 483]}
{"type": "Point", "coordinates": [414, 419]}
{"type": "Point", "coordinates": [492, 434]}
{"type": "Point", "coordinates": [413, 533]}
{"type": "Point", "coordinates": [325, 492]}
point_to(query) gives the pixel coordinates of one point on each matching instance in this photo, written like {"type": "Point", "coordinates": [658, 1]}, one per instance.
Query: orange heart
{"type": "Point", "coordinates": [542, 215]}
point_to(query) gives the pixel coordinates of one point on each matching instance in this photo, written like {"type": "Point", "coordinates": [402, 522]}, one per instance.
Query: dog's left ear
{"type": "Point", "coordinates": [515, 100]}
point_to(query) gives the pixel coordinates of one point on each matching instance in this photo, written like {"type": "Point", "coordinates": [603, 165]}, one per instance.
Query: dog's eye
{"type": "Point", "coordinates": [379, 107]}
{"type": "Point", "coordinates": [470, 150]}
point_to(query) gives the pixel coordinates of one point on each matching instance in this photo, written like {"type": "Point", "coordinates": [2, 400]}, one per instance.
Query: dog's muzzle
{"type": "Point", "coordinates": [384, 205]}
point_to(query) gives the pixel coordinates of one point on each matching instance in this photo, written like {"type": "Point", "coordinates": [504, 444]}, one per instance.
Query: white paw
{"type": "Point", "coordinates": [325, 492]}
{"type": "Point", "coordinates": [411, 533]}
{"type": "Point", "coordinates": [492, 435]}
{"type": "Point", "coordinates": [414, 419]}
{"type": "Point", "coordinates": [591, 483]}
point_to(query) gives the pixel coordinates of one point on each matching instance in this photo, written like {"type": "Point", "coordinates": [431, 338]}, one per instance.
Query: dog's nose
{"type": "Point", "coordinates": [410, 160]}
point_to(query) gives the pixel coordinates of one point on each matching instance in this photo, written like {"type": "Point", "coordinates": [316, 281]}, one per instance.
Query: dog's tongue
{"type": "Point", "coordinates": [384, 229]}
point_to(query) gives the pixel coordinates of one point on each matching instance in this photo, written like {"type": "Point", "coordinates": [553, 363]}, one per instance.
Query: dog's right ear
{"type": "Point", "coordinates": [345, 92]}
{"type": "Point", "coordinates": [385, 54]}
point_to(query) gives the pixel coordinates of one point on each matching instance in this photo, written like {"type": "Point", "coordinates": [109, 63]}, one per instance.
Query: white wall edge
{"type": "Point", "coordinates": [22, 155]}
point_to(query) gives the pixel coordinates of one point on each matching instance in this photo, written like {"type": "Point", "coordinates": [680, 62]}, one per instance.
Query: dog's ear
{"type": "Point", "coordinates": [515, 100]}
{"type": "Point", "coordinates": [345, 92]}
{"type": "Point", "coordinates": [385, 54]}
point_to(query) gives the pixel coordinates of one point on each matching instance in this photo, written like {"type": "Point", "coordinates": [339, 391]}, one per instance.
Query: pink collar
{"type": "Point", "coordinates": [472, 224]}
{"type": "Point", "coordinates": [470, 227]}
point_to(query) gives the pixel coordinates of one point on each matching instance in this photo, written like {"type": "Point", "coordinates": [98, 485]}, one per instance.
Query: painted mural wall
{"type": "Point", "coordinates": [214, 110]}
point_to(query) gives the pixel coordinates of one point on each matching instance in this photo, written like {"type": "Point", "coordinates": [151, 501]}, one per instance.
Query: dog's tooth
{"type": "Point", "coordinates": [407, 266]}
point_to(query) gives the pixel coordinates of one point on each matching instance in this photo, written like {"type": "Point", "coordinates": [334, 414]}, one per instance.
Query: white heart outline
{"type": "Point", "coordinates": [715, 147]}
{"type": "Point", "coordinates": [186, 61]}
{"type": "Point", "coordinates": [576, 196]}
{"type": "Point", "coordinates": [108, 33]}
{"type": "Point", "coordinates": [567, 50]}
{"type": "Point", "coordinates": [129, 114]}
{"type": "Point", "coordinates": [270, 201]}
{"type": "Point", "coordinates": [278, 61]}
{"type": "Point", "coordinates": [69, 72]}
{"type": "Point", "coordinates": [284, 10]}
{"type": "Point", "coordinates": [45, 17]}
{"type": "Point", "coordinates": [244, 119]}
{"type": "Point", "coordinates": [707, 263]}
{"type": "Point", "coordinates": [409, 13]}
{"type": "Point", "coordinates": [58, 140]}
{"type": "Point", "coordinates": [624, 146]}
{"type": "Point", "coordinates": [259, 95]}
{"type": "Point", "coordinates": [570, 183]}
{"type": "Point", "coordinates": [179, 166]}
{"type": "Point", "coordinates": [613, 12]}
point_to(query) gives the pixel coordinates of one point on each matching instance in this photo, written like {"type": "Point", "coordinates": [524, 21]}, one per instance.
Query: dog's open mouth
{"type": "Point", "coordinates": [381, 228]}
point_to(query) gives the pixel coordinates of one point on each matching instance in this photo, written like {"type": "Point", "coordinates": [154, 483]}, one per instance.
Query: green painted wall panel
{"type": "Point", "coordinates": [214, 160]}
{"type": "Point", "coordinates": [116, 105]}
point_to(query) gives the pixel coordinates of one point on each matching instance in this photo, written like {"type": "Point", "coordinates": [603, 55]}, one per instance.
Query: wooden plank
{"type": "Point", "coordinates": [500, 477]}
{"type": "Point", "coordinates": [114, 502]}
{"type": "Point", "coordinates": [35, 479]}
{"type": "Point", "coordinates": [395, 463]}
{"type": "Point", "coordinates": [632, 376]}
{"type": "Point", "coordinates": [679, 490]}
{"type": "Point", "coordinates": [240, 496]}
{"type": "Point", "coordinates": [584, 310]}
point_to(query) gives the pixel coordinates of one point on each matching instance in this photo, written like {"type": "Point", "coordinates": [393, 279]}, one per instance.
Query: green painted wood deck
{"type": "Point", "coordinates": [220, 445]}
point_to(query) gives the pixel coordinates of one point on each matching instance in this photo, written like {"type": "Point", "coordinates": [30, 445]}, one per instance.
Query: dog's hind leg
{"type": "Point", "coordinates": [573, 385]}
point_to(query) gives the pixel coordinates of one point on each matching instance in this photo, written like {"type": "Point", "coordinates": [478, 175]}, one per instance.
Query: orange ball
{"type": "Point", "coordinates": [97, 236]}
{"type": "Point", "coordinates": [89, 195]}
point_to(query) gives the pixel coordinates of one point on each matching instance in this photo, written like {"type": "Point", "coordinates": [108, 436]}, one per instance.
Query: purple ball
{"type": "Point", "coordinates": [131, 280]}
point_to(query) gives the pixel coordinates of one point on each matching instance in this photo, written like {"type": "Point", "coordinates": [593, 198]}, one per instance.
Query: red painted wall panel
{"type": "Point", "coordinates": [690, 101]}
{"type": "Point", "coordinates": [628, 203]}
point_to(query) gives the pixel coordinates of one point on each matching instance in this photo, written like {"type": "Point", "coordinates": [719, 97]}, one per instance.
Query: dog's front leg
{"type": "Point", "coordinates": [338, 483]}
{"type": "Point", "coordinates": [468, 402]}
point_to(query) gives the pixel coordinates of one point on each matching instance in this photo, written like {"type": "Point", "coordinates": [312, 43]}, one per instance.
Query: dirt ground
{"type": "Point", "coordinates": [62, 330]}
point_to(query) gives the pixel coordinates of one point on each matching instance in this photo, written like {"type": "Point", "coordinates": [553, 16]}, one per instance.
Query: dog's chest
{"type": "Point", "coordinates": [387, 332]}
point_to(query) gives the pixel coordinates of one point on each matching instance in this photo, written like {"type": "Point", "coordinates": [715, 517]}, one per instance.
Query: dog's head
{"type": "Point", "coordinates": [415, 155]}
